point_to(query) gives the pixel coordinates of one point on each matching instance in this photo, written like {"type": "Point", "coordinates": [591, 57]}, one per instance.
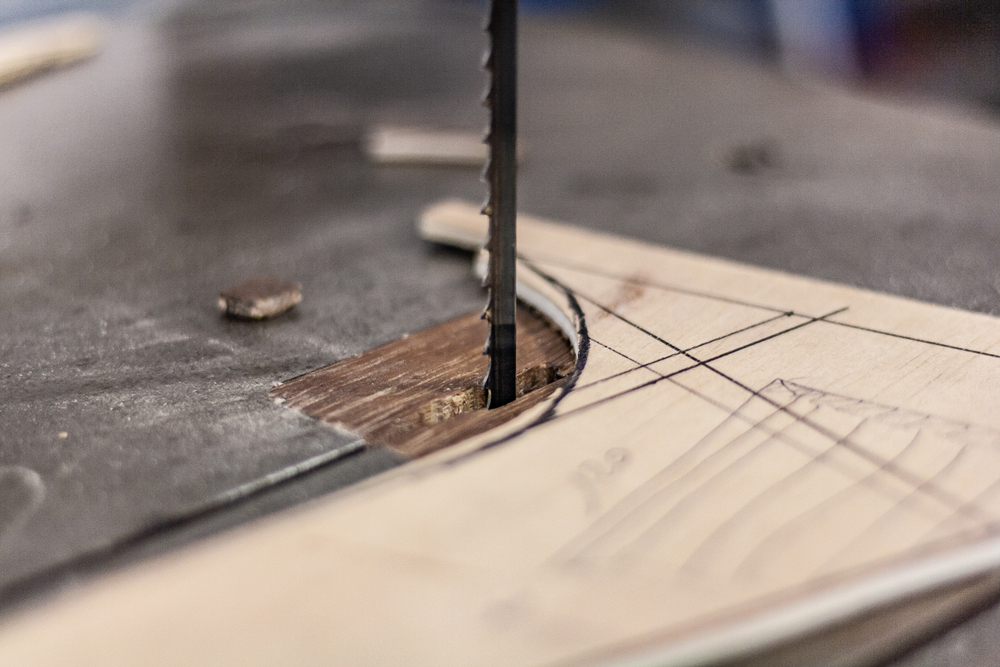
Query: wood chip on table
{"type": "Point", "coordinates": [260, 297]}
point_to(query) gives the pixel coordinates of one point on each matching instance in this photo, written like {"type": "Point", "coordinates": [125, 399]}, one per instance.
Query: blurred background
{"type": "Point", "coordinates": [211, 140]}
{"type": "Point", "coordinates": [932, 49]}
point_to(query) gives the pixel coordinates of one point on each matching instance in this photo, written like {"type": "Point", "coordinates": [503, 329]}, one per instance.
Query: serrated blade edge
{"type": "Point", "coordinates": [500, 172]}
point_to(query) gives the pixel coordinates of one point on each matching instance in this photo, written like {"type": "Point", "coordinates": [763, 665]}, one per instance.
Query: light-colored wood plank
{"type": "Point", "coordinates": [28, 49]}
{"type": "Point", "coordinates": [414, 145]}
{"type": "Point", "coordinates": [741, 457]}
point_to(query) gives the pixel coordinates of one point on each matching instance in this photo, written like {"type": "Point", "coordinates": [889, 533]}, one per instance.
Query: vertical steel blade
{"type": "Point", "coordinates": [501, 174]}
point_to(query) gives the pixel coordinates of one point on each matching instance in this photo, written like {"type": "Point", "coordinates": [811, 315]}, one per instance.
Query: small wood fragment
{"type": "Point", "coordinates": [260, 298]}
{"type": "Point", "coordinates": [412, 145]}
{"type": "Point", "coordinates": [422, 146]}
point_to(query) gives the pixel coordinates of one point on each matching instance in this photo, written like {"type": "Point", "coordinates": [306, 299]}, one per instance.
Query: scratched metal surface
{"type": "Point", "coordinates": [217, 140]}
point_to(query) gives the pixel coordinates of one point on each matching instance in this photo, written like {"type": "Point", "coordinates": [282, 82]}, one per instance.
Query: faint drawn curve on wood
{"type": "Point", "coordinates": [871, 426]}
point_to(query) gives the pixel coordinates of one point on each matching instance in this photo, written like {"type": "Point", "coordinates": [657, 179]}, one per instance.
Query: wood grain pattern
{"type": "Point", "coordinates": [421, 393]}
{"type": "Point", "coordinates": [740, 458]}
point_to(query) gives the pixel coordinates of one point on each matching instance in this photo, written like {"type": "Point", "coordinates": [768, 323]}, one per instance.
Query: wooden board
{"type": "Point", "coordinates": [411, 145]}
{"type": "Point", "coordinates": [422, 392]}
{"type": "Point", "coordinates": [740, 458]}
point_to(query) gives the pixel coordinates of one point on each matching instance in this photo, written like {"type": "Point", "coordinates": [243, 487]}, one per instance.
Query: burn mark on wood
{"type": "Point", "coordinates": [628, 291]}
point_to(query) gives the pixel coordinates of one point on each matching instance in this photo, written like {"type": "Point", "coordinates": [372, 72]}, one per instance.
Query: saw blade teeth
{"type": "Point", "coordinates": [486, 176]}
{"type": "Point", "coordinates": [488, 205]}
{"type": "Point", "coordinates": [487, 172]}
{"type": "Point", "coordinates": [486, 98]}
{"type": "Point", "coordinates": [500, 63]}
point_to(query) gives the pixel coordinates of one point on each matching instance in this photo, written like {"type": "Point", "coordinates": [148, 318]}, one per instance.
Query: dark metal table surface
{"type": "Point", "coordinates": [213, 141]}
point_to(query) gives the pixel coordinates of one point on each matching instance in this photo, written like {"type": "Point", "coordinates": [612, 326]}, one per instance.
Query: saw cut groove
{"type": "Point", "coordinates": [421, 393]}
